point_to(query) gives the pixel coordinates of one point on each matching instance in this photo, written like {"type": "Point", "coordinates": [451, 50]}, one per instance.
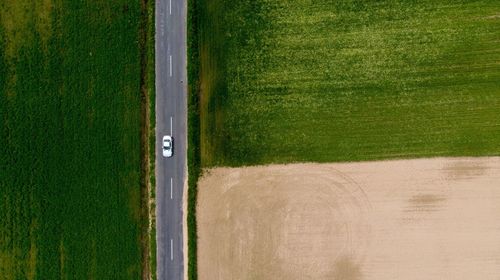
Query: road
{"type": "Point", "coordinates": [171, 119]}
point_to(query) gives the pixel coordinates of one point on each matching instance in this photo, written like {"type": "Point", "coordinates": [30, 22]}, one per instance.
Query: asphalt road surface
{"type": "Point", "coordinates": [171, 119]}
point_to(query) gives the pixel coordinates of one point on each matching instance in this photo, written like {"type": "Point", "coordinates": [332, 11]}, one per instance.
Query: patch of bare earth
{"type": "Point", "coordinates": [405, 219]}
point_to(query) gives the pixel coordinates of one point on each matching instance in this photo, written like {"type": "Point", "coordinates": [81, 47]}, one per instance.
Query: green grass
{"type": "Point", "coordinates": [323, 81]}
{"type": "Point", "coordinates": [70, 156]}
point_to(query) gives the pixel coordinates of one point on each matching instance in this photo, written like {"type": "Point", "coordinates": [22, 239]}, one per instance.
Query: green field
{"type": "Point", "coordinates": [287, 81]}
{"type": "Point", "coordinates": [70, 139]}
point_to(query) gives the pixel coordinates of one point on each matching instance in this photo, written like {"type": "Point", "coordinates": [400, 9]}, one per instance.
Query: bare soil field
{"type": "Point", "coordinates": [403, 219]}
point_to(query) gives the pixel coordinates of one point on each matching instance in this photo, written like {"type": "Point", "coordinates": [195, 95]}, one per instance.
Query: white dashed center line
{"type": "Point", "coordinates": [171, 249]}
{"type": "Point", "coordinates": [171, 131]}
{"type": "Point", "coordinates": [170, 65]}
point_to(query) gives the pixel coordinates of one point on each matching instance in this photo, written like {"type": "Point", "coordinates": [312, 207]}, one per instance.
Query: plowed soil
{"type": "Point", "coordinates": [405, 219]}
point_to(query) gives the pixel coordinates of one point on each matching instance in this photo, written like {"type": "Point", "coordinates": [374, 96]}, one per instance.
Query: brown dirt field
{"type": "Point", "coordinates": [405, 219]}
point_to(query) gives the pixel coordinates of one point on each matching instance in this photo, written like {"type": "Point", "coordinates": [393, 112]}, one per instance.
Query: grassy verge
{"type": "Point", "coordinates": [194, 161]}
{"type": "Point", "coordinates": [71, 164]}
{"type": "Point", "coordinates": [148, 232]}
{"type": "Point", "coordinates": [150, 47]}
{"type": "Point", "coordinates": [347, 81]}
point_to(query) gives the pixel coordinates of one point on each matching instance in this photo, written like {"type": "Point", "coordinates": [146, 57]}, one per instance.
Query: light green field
{"type": "Point", "coordinates": [285, 81]}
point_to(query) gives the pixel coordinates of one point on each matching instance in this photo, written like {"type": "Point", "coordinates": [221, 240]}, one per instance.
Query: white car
{"type": "Point", "coordinates": [168, 146]}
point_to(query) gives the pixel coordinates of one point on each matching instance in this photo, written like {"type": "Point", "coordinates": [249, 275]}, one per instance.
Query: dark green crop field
{"type": "Point", "coordinates": [321, 80]}
{"type": "Point", "coordinates": [70, 156]}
